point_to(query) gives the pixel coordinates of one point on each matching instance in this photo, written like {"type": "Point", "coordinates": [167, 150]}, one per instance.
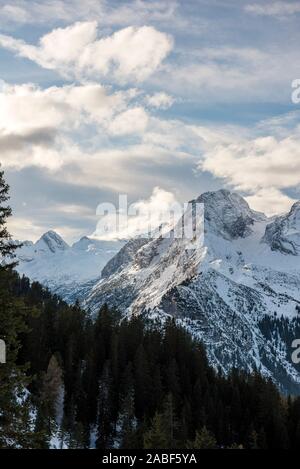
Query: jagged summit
{"type": "Point", "coordinates": [228, 214]}
{"type": "Point", "coordinates": [51, 241]}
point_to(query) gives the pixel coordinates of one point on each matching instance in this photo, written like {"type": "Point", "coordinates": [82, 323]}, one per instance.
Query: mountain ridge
{"type": "Point", "coordinates": [64, 269]}
{"type": "Point", "coordinates": [224, 284]}
{"type": "Point", "coordinates": [220, 285]}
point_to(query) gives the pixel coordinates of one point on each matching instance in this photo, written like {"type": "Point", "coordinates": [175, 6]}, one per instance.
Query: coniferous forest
{"type": "Point", "coordinates": [73, 381]}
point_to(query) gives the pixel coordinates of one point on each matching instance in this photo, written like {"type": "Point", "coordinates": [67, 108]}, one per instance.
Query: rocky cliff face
{"type": "Point", "coordinates": [228, 215]}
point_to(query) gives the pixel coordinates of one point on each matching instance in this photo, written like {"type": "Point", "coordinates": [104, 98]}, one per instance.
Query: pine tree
{"type": "Point", "coordinates": [157, 436]}
{"type": "Point", "coordinates": [170, 421]}
{"type": "Point", "coordinates": [15, 420]}
{"type": "Point", "coordinates": [51, 396]}
{"type": "Point", "coordinates": [127, 422]}
{"type": "Point", "coordinates": [204, 439]}
{"type": "Point", "coordinates": [105, 422]}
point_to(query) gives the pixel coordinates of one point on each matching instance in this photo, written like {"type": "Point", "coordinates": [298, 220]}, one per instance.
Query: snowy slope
{"type": "Point", "coordinates": [222, 284]}
{"type": "Point", "coordinates": [63, 268]}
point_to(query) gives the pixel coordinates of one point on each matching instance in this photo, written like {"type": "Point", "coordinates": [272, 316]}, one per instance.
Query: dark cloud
{"type": "Point", "coordinates": [43, 137]}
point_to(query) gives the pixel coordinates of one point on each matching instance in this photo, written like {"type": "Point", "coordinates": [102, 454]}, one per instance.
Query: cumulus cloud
{"type": "Point", "coordinates": [35, 121]}
{"type": "Point", "coordinates": [256, 163]}
{"type": "Point", "coordinates": [51, 129]}
{"type": "Point", "coordinates": [130, 54]}
{"type": "Point", "coordinates": [270, 201]}
{"type": "Point", "coordinates": [38, 128]}
{"type": "Point", "coordinates": [277, 9]}
{"type": "Point", "coordinates": [27, 106]}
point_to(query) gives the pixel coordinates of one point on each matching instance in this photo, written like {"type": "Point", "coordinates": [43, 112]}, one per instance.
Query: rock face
{"type": "Point", "coordinates": [228, 214]}
{"type": "Point", "coordinates": [123, 257]}
{"type": "Point", "coordinates": [228, 285]}
{"type": "Point", "coordinates": [283, 234]}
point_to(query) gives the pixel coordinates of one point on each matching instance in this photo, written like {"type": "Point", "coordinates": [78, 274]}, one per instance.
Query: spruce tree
{"type": "Point", "coordinates": [204, 439]}
{"type": "Point", "coordinates": [52, 392]}
{"type": "Point", "coordinates": [157, 436]}
{"type": "Point", "coordinates": [127, 422]}
{"type": "Point", "coordinates": [7, 247]}
{"type": "Point", "coordinates": [105, 422]}
{"type": "Point", "coordinates": [15, 420]}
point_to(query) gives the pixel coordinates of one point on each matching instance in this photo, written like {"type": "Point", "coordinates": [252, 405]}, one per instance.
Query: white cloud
{"type": "Point", "coordinates": [159, 100]}
{"type": "Point", "coordinates": [231, 74]}
{"type": "Point", "coordinates": [130, 54]}
{"type": "Point", "coordinates": [270, 201]}
{"type": "Point", "coordinates": [132, 121]}
{"type": "Point", "coordinates": [46, 128]}
{"type": "Point", "coordinates": [278, 9]}
{"type": "Point", "coordinates": [173, 135]}
{"type": "Point", "coordinates": [256, 163]}
{"type": "Point", "coordinates": [141, 217]}
{"type": "Point", "coordinates": [26, 107]}
{"type": "Point", "coordinates": [35, 121]}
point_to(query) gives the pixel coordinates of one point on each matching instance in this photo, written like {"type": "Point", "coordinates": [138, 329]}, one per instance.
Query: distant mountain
{"type": "Point", "coordinates": [235, 286]}
{"type": "Point", "coordinates": [63, 268]}
{"type": "Point", "coordinates": [50, 242]}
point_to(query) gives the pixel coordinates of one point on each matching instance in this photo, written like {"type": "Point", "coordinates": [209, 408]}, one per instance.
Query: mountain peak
{"type": "Point", "coordinates": [83, 243]}
{"type": "Point", "coordinates": [283, 234]}
{"type": "Point", "coordinates": [228, 214]}
{"type": "Point", "coordinates": [51, 241]}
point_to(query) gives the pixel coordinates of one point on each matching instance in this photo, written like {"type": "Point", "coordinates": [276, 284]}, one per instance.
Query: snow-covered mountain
{"type": "Point", "coordinates": [235, 285]}
{"type": "Point", "coordinates": [66, 270]}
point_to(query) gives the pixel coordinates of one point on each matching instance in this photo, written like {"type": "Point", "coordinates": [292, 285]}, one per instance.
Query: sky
{"type": "Point", "coordinates": [158, 100]}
